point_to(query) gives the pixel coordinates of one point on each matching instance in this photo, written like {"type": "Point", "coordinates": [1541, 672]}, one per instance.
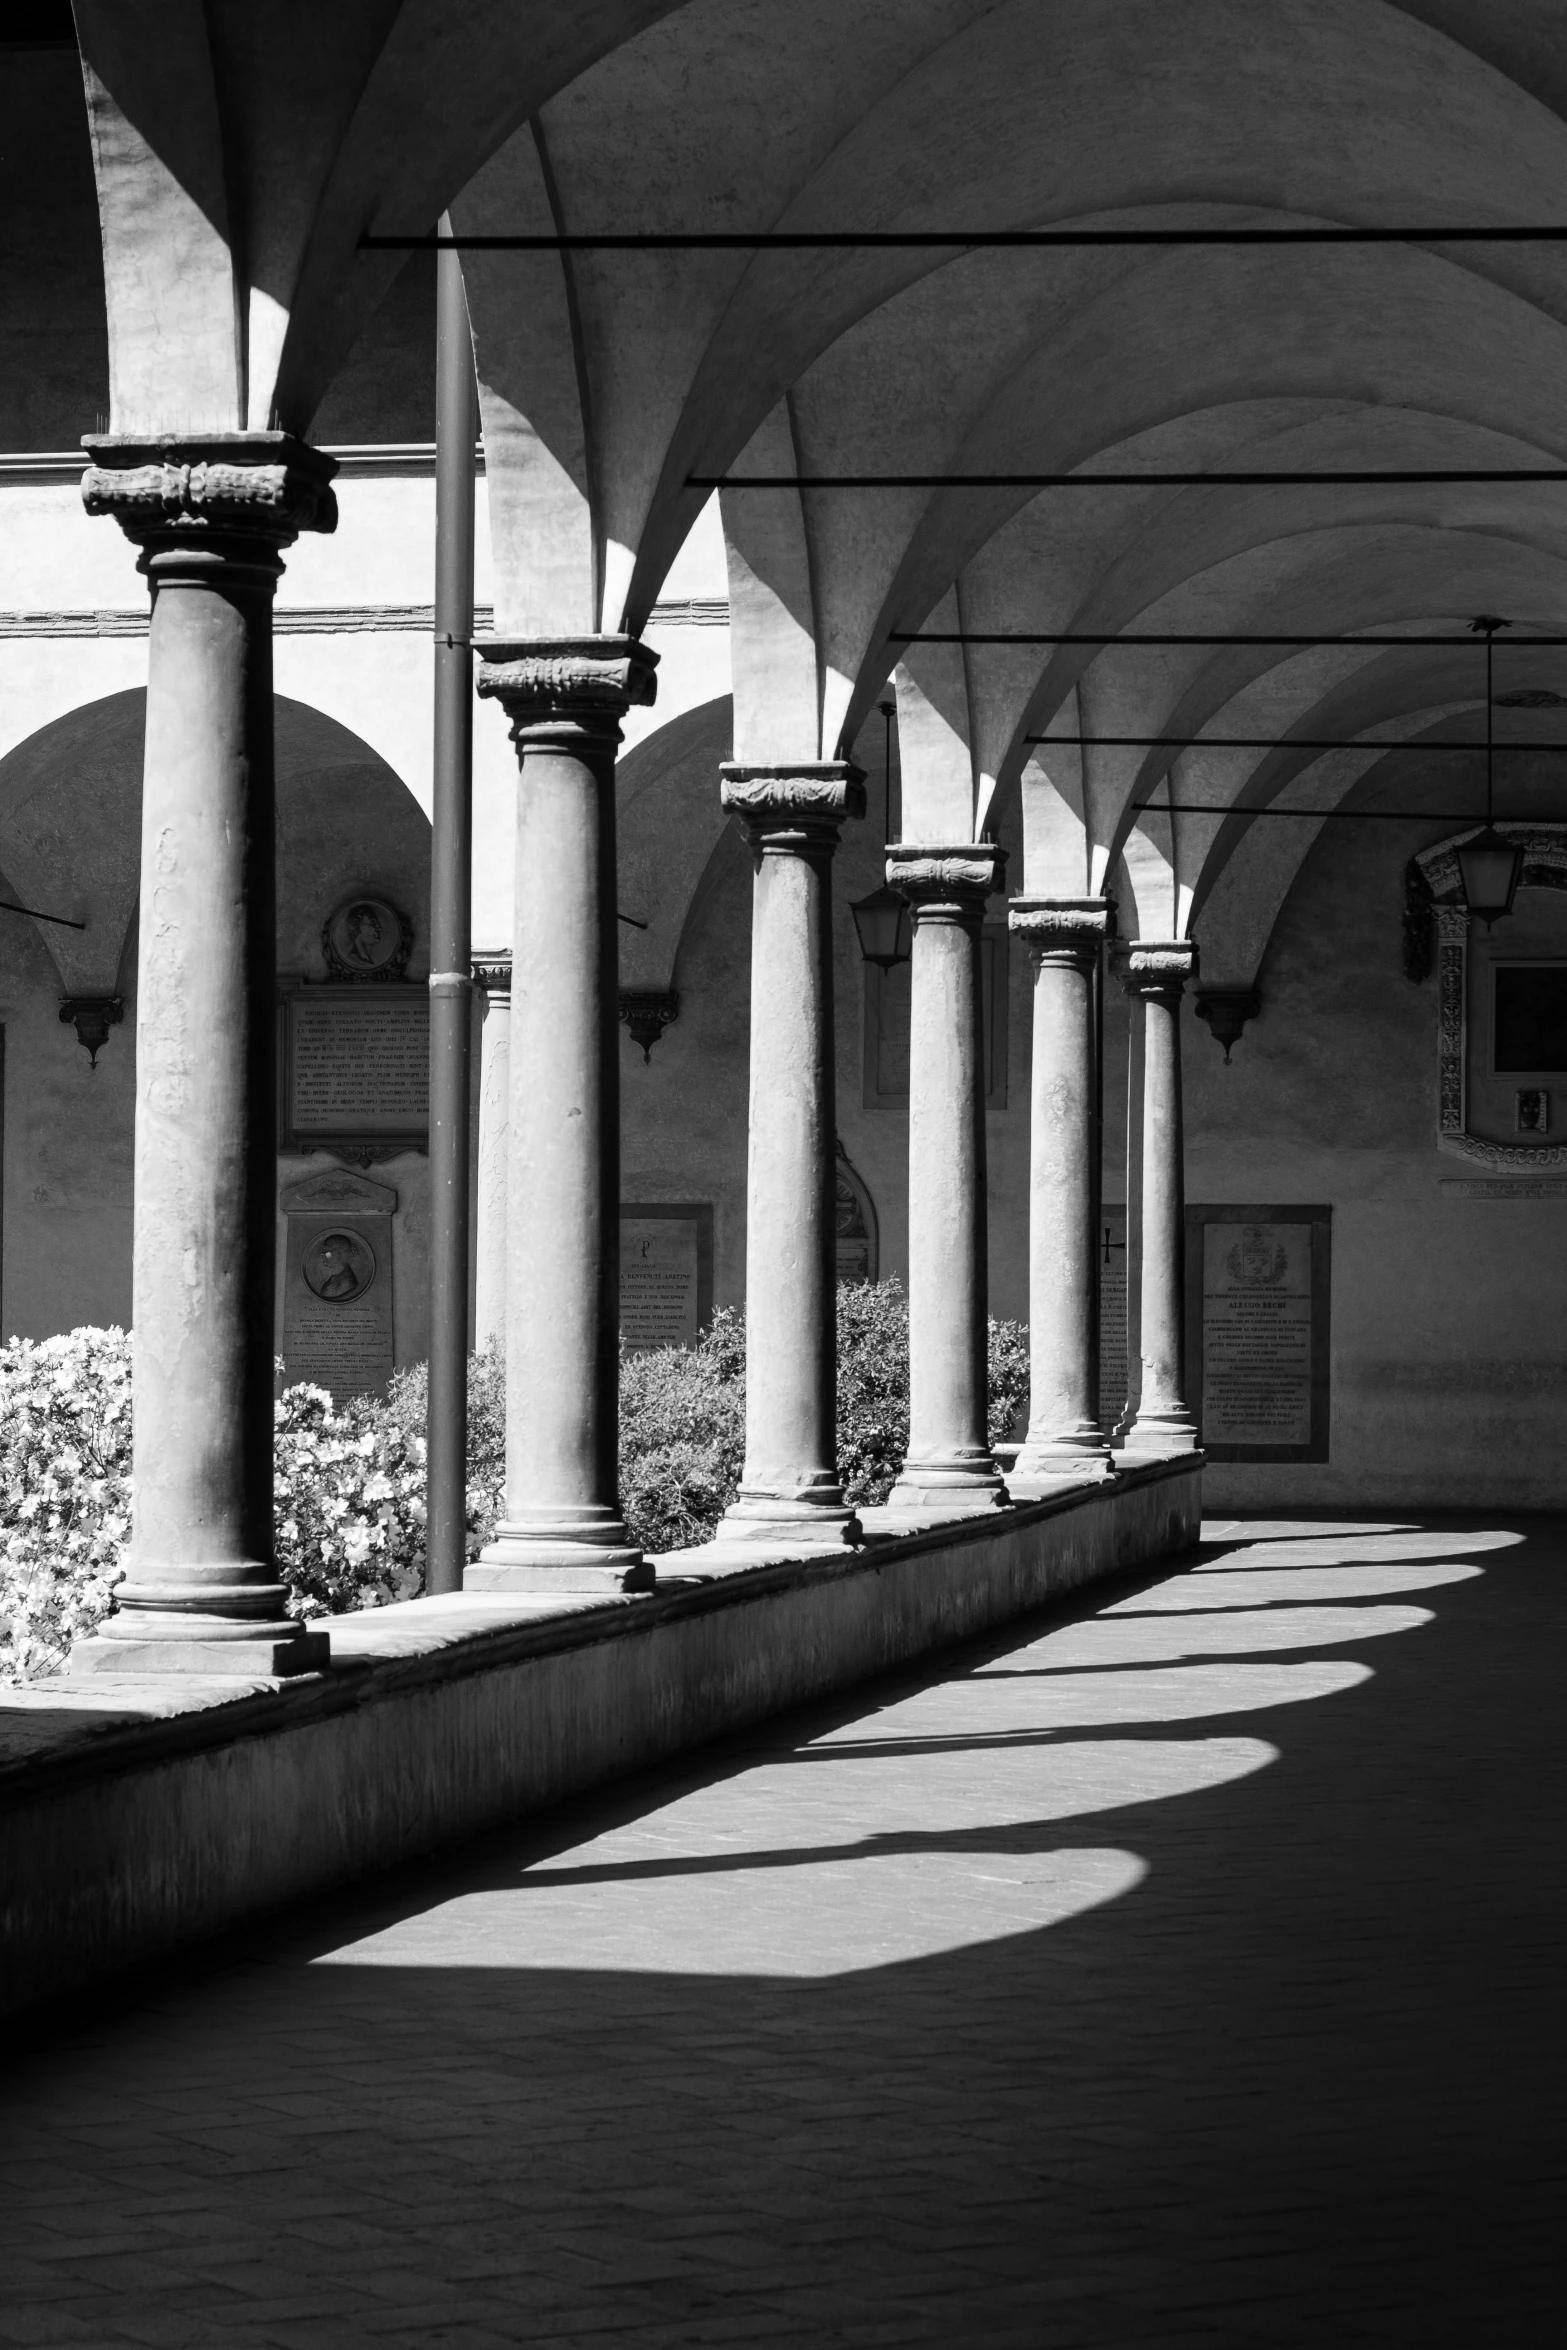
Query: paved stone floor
{"type": "Point", "coordinates": [1185, 1972]}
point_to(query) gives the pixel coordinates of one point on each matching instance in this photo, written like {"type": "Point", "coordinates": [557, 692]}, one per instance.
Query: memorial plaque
{"type": "Point", "coordinates": [337, 1283]}
{"type": "Point", "coordinates": [666, 1274]}
{"type": "Point", "coordinates": [1112, 1318]}
{"type": "Point", "coordinates": [355, 1067]}
{"type": "Point", "coordinates": [1257, 1330]}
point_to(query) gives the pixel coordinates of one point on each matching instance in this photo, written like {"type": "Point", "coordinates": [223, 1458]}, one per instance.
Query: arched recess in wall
{"type": "Point", "coordinates": [70, 824]}
{"type": "Point", "coordinates": [670, 826]}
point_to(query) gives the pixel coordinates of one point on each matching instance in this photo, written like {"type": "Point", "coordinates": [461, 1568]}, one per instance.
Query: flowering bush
{"type": "Point", "coordinates": [65, 1491]}
{"type": "Point", "coordinates": [349, 1497]}
{"type": "Point", "coordinates": [350, 1503]}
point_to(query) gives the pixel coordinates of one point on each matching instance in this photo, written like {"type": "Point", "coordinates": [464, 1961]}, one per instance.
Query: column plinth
{"type": "Point", "coordinates": [949, 1467]}
{"type": "Point", "coordinates": [492, 974]}
{"type": "Point", "coordinates": [562, 1529]}
{"type": "Point", "coordinates": [1065, 938]}
{"type": "Point", "coordinates": [789, 1491]}
{"type": "Point", "coordinates": [1155, 972]}
{"type": "Point", "coordinates": [211, 517]}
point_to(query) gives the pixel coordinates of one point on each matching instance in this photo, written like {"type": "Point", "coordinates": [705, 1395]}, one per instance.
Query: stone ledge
{"type": "Point", "coordinates": [137, 1816]}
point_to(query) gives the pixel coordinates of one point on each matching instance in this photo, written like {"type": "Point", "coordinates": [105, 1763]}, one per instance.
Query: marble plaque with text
{"type": "Point", "coordinates": [666, 1256]}
{"type": "Point", "coordinates": [1112, 1317]}
{"type": "Point", "coordinates": [1258, 1293]}
{"type": "Point", "coordinates": [356, 1068]}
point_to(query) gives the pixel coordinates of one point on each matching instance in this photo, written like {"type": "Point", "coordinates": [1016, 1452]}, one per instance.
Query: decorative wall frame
{"type": "Point", "coordinates": [1544, 867]}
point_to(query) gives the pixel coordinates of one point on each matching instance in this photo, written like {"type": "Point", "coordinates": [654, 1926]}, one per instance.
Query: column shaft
{"type": "Point", "coordinates": [1064, 939]}
{"type": "Point", "coordinates": [949, 1465]}
{"type": "Point", "coordinates": [451, 891]}
{"type": "Point", "coordinates": [790, 1490]}
{"type": "Point", "coordinates": [562, 1528]}
{"type": "Point", "coordinates": [202, 1593]}
{"type": "Point", "coordinates": [493, 973]}
{"type": "Point", "coordinates": [1157, 972]}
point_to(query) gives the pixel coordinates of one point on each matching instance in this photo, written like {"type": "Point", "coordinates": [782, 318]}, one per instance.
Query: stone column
{"type": "Point", "coordinates": [789, 1492]}
{"type": "Point", "coordinates": [1155, 972]}
{"type": "Point", "coordinates": [949, 1466]}
{"type": "Point", "coordinates": [1065, 938]}
{"type": "Point", "coordinates": [202, 1593]}
{"type": "Point", "coordinates": [562, 1529]}
{"type": "Point", "coordinates": [493, 975]}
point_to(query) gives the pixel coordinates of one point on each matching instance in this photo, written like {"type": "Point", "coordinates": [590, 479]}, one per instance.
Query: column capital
{"type": "Point", "coordinates": [797, 806]}
{"type": "Point", "coordinates": [584, 684]}
{"type": "Point", "coordinates": [171, 496]}
{"type": "Point", "coordinates": [962, 875]}
{"type": "Point", "coordinates": [1157, 966]}
{"type": "Point", "coordinates": [492, 972]}
{"type": "Point", "coordinates": [1063, 930]}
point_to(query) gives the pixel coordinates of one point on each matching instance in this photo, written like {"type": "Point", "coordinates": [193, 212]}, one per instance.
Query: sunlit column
{"type": "Point", "coordinates": [562, 1528]}
{"type": "Point", "coordinates": [1065, 940]}
{"type": "Point", "coordinates": [949, 1465]}
{"type": "Point", "coordinates": [202, 1593]}
{"type": "Point", "coordinates": [790, 1491]}
{"type": "Point", "coordinates": [1155, 972]}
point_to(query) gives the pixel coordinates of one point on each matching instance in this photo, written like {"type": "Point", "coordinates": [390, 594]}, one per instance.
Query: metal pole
{"type": "Point", "coordinates": [451, 976]}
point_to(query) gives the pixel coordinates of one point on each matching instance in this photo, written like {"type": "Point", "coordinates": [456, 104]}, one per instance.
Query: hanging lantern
{"type": "Point", "coordinates": [882, 921]}
{"type": "Point", "coordinates": [1489, 868]}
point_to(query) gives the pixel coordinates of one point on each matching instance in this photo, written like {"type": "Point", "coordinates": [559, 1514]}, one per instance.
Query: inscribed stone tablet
{"type": "Point", "coordinates": [1256, 1338]}
{"type": "Point", "coordinates": [659, 1275]}
{"type": "Point", "coordinates": [358, 1062]}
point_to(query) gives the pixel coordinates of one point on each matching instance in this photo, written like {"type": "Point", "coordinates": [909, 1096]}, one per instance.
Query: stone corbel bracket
{"type": "Point", "coordinates": [647, 1012]}
{"type": "Point", "coordinates": [92, 1017]}
{"type": "Point", "coordinates": [1225, 1012]}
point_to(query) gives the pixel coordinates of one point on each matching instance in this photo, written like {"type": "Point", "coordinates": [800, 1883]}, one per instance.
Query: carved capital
{"type": "Point", "coordinates": [589, 681]}
{"type": "Point", "coordinates": [1063, 930]}
{"type": "Point", "coordinates": [1157, 967]}
{"type": "Point", "coordinates": [963, 875]}
{"type": "Point", "coordinates": [492, 972]}
{"type": "Point", "coordinates": [1452, 922]}
{"type": "Point", "coordinates": [783, 808]}
{"type": "Point", "coordinates": [258, 488]}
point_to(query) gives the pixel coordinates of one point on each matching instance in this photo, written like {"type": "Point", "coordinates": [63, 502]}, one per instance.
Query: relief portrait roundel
{"type": "Point", "coordinates": [338, 1266]}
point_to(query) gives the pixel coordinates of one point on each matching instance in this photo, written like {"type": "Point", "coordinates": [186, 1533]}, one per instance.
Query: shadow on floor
{"type": "Point", "coordinates": [1184, 1973]}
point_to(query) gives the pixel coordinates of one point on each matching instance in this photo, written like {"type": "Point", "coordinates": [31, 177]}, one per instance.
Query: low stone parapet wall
{"type": "Point", "coordinates": [138, 1816]}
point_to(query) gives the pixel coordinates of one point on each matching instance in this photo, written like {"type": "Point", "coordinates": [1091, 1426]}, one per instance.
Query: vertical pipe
{"type": "Point", "coordinates": [451, 979]}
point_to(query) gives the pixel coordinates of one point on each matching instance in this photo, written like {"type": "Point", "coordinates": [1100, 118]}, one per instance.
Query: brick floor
{"type": "Point", "coordinates": [1184, 1973]}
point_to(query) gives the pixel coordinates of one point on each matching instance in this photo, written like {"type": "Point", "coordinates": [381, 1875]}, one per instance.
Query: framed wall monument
{"type": "Point", "coordinates": [666, 1273]}
{"type": "Point", "coordinates": [1258, 1330]}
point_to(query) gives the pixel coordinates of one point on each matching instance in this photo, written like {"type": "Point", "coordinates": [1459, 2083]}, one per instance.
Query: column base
{"type": "Point", "coordinates": [1156, 1433]}
{"type": "Point", "coordinates": [815, 1515]}
{"type": "Point", "coordinates": [954, 1486]}
{"type": "Point", "coordinates": [562, 1550]}
{"type": "Point", "coordinates": [263, 1652]}
{"type": "Point", "coordinates": [1076, 1452]}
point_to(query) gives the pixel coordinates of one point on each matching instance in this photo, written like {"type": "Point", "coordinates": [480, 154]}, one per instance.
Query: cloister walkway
{"type": "Point", "coordinates": [1184, 1971]}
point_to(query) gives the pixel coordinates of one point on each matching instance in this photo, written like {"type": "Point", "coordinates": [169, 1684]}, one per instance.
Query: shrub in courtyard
{"type": "Point", "coordinates": [350, 1479]}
